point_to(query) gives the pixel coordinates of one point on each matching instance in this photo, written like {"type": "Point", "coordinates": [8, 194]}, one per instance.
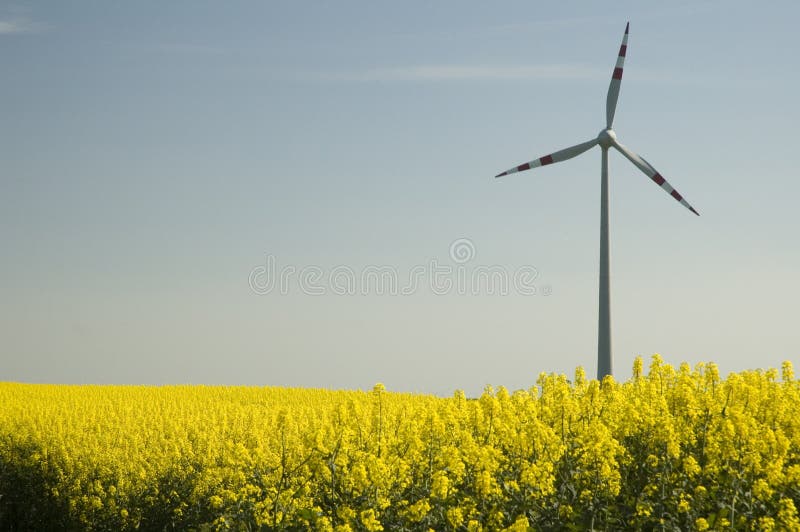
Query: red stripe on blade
{"type": "Point", "coordinates": [658, 179]}
{"type": "Point", "coordinates": [547, 159]}
{"type": "Point", "coordinates": [675, 195]}
{"type": "Point", "coordinates": [617, 73]}
{"type": "Point", "coordinates": [522, 167]}
{"type": "Point", "coordinates": [622, 50]}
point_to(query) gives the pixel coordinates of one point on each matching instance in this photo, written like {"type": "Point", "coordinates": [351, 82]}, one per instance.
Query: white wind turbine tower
{"type": "Point", "coordinates": [606, 139]}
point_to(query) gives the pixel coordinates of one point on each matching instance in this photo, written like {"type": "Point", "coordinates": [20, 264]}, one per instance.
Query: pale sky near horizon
{"type": "Point", "coordinates": [155, 154]}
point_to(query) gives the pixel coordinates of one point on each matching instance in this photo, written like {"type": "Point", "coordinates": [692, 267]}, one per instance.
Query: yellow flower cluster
{"type": "Point", "coordinates": [677, 449]}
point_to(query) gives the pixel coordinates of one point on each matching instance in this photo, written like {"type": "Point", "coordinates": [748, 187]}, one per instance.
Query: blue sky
{"type": "Point", "coordinates": [154, 155]}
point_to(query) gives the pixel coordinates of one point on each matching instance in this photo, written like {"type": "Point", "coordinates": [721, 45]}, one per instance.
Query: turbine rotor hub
{"type": "Point", "coordinates": [606, 138]}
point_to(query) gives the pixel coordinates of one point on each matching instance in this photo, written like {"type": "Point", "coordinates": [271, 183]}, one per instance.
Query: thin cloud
{"type": "Point", "coordinates": [20, 26]}
{"type": "Point", "coordinates": [466, 73]}
{"type": "Point", "coordinates": [177, 48]}
{"type": "Point", "coordinates": [463, 73]}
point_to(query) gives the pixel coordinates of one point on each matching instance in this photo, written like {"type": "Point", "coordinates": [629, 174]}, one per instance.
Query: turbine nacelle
{"type": "Point", "coordinates": [607, 138]}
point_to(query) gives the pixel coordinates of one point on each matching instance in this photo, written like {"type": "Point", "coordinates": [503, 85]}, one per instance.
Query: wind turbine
{"type": "Point", "coordinates": [606, 139]}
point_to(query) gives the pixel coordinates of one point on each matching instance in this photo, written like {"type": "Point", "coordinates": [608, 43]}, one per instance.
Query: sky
{"type": "Point", "coordinates": [302, 193]}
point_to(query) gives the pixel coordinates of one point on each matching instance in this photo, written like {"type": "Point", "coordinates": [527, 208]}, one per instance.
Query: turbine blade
{"type": "Point", "coordinates": [556, 157]}
{"type": "Point", "coordinates": [653, 174]}
{"type": "Point", "coordinates": [616, 80]}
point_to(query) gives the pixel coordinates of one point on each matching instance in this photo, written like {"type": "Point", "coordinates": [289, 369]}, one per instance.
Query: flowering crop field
{"type": "Point", "coordinates": [670, 449]}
